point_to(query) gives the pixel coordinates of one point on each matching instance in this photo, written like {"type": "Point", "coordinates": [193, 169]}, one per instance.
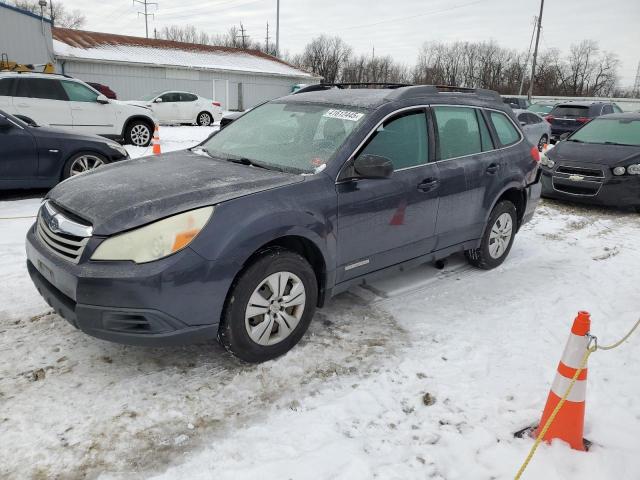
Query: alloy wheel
{"type": "Point", "coordinates": [140, 135]}
{"type": "Point", "coordinates": [275, 308]}
{"type": "Point", "coordinates": [500, 236]}
{"type": "Point", "coordinates": [85, 163]}
{"type": "Point", "coordinates": [204, 119]}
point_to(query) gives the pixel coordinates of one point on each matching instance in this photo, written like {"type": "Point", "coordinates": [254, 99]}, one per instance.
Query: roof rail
{"type": "Point", "coordinates": [423, 90]}
{"type": "Point", "coordinates": [348, 85]}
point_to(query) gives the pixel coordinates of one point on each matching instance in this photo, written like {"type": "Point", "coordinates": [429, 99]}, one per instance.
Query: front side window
{"type": "Point", "coordinates": [607, 109]}
{"type": "Point", "coordinates": [616, 108]}
{"type": "Point", "coordinates": [292, 137]}
{"type": "Point", "coordinates": [78, 92]}
{"type": "Point", "coordinates": [609, 131]}
{"type": "Point", "coordinates": [507, 133]}
{"type": "Point", "coordinates": [403, 140]}
{"type": "Point", "coordinates": [170, 97]}
{"type": "Point", "coordinates": [458, 131]}
{"type": "Point", "coordinates": [40, 88]}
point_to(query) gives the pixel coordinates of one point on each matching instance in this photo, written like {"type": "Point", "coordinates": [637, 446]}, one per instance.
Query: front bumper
{"type": "Point", "coordinates": [173, 301]}
{"type": "Point", "coordinates": [605, 190]}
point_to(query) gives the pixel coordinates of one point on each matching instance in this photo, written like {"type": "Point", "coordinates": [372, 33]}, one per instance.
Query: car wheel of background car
{"type": "Point", "coordinates": [497, 238]}
{"type": "Point", "coordinates": [269, 307]}
{"type": "Point", "coordinates": [204, 119]}
{"type": "Point", "coordinates": [82, 163]}
{"type": "Point", "coordinates": [543, 140]}
{"type": "Point", "coordinates": [138, 133]}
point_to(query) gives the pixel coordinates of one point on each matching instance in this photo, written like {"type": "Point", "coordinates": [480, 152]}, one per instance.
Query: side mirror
{"type": "Point", "coordinates": [158, 100]}
{"type": "Point", "coordinates": [5, 123]}
{"type": "Point", "coordinates": [564, 136]}
{"type": "Point", "coordinates": [373, 167]}
{"type": "Point", "coordinates": [522, 124]}
{"type": "Point", "coordinates": [102, 99]}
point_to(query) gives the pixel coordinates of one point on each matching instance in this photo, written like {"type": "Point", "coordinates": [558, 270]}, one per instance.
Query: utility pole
{"type": "Point", "coordinates": [278, 29]}
{"type": "Point", "coordinates": [243, 36]}
{"type": "Point", "coordinates": [266, 41]}
{"type": "Point", "coordinates": [636, 86]}
{"type": "Point", "coordinates": [50, 11]}
{"type": "Point", "coordinates": [535, 52]}
{"type": "Point", "coordinates": [526, 62]}
{"type": "Point", "coordinates": [146, 14]}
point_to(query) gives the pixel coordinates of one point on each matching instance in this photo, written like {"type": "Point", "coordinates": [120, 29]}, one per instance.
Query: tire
{"type": "Point", "coordinates": [204, 119]}
{"type": "Point", "coordinates": [489, 255]}
{"type": "Point", "coordinates": [544, 139]}
{"type": "Point", "coordinates": [82, 163]}
{"type": "Point", "coordinates": [240, 331]}
{"type": "Point", "coordinates": [138, 133]}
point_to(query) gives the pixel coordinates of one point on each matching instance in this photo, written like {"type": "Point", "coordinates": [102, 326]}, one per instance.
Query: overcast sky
{"type": "Point", "coordinates": [396, 28]}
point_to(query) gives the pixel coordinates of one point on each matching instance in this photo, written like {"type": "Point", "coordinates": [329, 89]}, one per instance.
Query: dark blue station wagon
{"type": "Point", "coordinates": [243, 236]}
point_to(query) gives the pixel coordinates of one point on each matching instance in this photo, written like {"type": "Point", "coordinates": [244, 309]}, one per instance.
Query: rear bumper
{"type": "Point", "coordinates": [533, 193]}
{"type": "Point", "coordinates": [174, 301]}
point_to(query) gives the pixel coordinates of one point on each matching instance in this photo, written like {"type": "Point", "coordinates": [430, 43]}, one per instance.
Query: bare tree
{"type": "Point", "coordinates": [325, 56]}
{"type": "Point", "coordinates": [58, 15]}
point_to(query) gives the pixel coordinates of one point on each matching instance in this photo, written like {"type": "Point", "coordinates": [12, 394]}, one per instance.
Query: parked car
{"type": "Point", "coordinates": [104, 90]}
{"type": "Point", "coordinates": [535, 128]}
{"type": "Point", "coordinates": [181, 107]}
{"type": "Point", "coordinates": [569, 117]}
{"type": "Point", "coordinates": [597, 164]}
{"type": "Point", "coordinates": [521, 103]}
{"type": "Point", "coordinates": [230, 117]}
{"type": "Point", "coordinates": [63, 102]}
{"type": "Point", "coordinates": [243, 236]}
{"type": "Point", "coordinates": [39, 157]}
{"type": "Point", "coordinates": [542, 108]}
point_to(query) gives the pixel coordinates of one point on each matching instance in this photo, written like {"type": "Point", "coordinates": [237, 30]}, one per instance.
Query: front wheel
{"type": "Point", "coordinates": [82, 163]}
{"type": "Point", "coordinates": [544, 140]}
{"type": "Point", "coordinates": [497, 238]}
{"type": "Point", "coordinates": [138, 133]}
{"type": "Point", "coordinates": [269, 307]}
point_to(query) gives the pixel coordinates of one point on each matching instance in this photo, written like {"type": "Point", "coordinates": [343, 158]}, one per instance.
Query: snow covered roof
{"type": "Point", "coordinates": [108, 47]}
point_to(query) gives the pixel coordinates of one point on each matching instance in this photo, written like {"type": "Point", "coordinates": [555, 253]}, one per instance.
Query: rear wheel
{"type": "Point", "coordinates": [83, 163]}
{"type": "Point", "coordinates": [497, 238]}
{"type": "Point", "coordinates": [544, 140]}
{"type": "Point", "coordinates": [269, 307]}
{"type": "Point", "coordinates": [138, 133]}
{"type": "Point", "coordinates": [204, 119]}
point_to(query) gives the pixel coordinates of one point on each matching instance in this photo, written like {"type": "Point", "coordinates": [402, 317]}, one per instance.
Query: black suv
{"type": "Point", "coordinates": [243, 236]}
{"type": "Point", "coordinates": [566, 118]}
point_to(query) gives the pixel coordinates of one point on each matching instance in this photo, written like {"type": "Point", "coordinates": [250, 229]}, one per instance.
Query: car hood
{"type": "Point", "coordinates": [66, 135]}
{"type": "Point", "coordinates": [132, 193]}
{"type": "Point", "coordinates": [137, 103]}
{"type": "Point", "coordinates": [607, 155]}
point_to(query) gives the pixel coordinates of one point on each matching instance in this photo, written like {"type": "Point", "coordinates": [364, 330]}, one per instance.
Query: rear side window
{"type": "Point", "coordinates": [5, 87]}
{"type": "Point", "coordinates": [458, 131]}
{"type": "Point", "coordinates": [607, 109]}
{"type": "Point", "coordinates": [40, 88]}
{"type": "Point", "coordinates": [572, 111]}
{"type": "Point", "coordinates": [188, 97]}
{"type": "Point", "coordinates": [507, 133]}
{"type": "Point", "coordinates": [78, 92]}
{"type": "Point", "coordinates": [403, 140]}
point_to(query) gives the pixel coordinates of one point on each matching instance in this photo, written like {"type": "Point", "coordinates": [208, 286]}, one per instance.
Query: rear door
{"type": "Point", "coordinates": [469, 167]}
{"type": "Point", "coordinates": [188, 106]}
{"type": "Point", "coordinates": [87, 114]}
{"type": "Point", "coordinates": [43, 100]}
{"type": "Point", "coordinates": [386, 221]}
{"type": "Point", "coordinates": [18, 154]}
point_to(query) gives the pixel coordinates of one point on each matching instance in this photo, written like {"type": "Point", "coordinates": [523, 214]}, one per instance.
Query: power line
{"type": "Point", "coordinates": [146, 14]}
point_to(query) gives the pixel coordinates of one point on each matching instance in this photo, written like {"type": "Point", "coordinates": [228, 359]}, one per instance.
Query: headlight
{"type": "Point", "coordinates": [156, 240]}
{"type": "Point", "coordinates": [633, 169]}
{"type": "Point", "coordinates": [619, 171]}
{"type": "Point", "coordinates": [546, 161]}
{"type": "Point", "coordinates": [118, 148]}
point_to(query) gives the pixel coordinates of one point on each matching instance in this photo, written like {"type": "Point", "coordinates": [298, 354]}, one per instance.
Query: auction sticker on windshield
{"type": "Point", "coordinates": [344, 115]}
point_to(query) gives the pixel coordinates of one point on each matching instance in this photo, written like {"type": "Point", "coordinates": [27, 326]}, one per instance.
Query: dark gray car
{"type": "Point", "coordinates": [245, 235]}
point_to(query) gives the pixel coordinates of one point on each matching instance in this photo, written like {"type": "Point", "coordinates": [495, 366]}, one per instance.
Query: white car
{"type": "Point", "coordinates": [535, 128]}
{"type": "Point", "coordinates": [63, 102]}
{"type": "Point", "coordinates": [181, 107]}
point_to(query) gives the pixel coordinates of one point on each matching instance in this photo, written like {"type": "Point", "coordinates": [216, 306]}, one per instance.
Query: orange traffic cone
{"type": "Point", "coordinates": [156, 142]}
{"type": "Point", "coordinates": [569, 423]}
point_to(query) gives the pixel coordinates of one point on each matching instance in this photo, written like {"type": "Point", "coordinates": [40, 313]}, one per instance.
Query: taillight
{"type": "Point", "coordinates": [549, 118]}
{"type": "Point", "coordinates": [583, 119]}
{"type": "Point", "coordinates": [216, 104]}
{"type": "Point", "coordinates": [535, 154]}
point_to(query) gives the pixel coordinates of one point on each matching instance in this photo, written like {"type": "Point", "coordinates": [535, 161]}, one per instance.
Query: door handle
{"type": "Point", "coordinates": [428, 184]}
{"type": "Point", "coordinates": [493, 168]}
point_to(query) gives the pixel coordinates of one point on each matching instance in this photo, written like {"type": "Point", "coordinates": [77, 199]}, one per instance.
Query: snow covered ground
{"type": "Point", "coordinates": [349, 401]}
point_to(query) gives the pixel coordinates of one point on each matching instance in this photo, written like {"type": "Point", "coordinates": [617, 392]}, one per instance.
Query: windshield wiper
{"type": "Point", "coordinates": [574, 140]}
{"type": "Point", "coordinates": [247, 161]}
{"type": "Point", "coordinates": [200, 151]}
{"type": "Point", "coordinates": [622, 144]}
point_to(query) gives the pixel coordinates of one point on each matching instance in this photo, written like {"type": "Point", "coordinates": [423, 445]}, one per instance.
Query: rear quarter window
{"type": "Point", "coordinates": [507, 133]}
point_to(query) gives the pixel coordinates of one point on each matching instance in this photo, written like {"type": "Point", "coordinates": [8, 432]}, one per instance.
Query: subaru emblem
{"type": "Point", "coordinates": [53, 224]}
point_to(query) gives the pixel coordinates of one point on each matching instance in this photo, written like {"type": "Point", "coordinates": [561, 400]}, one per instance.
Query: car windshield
{"type": "Point", "coordinates": [290, 137]}
{"type": "Point", "coordinates": [15, 120]}
{"type": "Point", "coordinates": [151, 96]}
{"type": "Point", "coordinates": [540, 108]}
{"type": "Point", "coordinates": [609, 131]}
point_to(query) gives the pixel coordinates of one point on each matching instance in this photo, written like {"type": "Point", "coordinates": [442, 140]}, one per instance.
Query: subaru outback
{"type": "Point", "coordinates": [244, 236]}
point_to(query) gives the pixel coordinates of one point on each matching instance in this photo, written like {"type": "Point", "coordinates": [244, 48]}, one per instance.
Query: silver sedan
{"type": "Point", "coordinates": [536, 129]}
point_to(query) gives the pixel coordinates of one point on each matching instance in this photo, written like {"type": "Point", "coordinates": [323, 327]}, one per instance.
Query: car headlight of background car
{"type": "Point", "coordinates": [118, 148]}
{"type": "Point", "coordinates": [546, 161]}
{"type": "Point", "coordinates": [630, 169]}
{"type": "Point", "coordinates": [156, 240]}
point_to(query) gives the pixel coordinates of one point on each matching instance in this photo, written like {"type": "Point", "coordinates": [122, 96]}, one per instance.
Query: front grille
{"type": "Point", "coordinates": [585, 172]}
{"type": "Point", "coordinates": [61, 243]}
{"type": "Point", "coordinates": [590, 189]}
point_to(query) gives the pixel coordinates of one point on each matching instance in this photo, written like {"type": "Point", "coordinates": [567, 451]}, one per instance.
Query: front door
{"type": "Point", "coordinates": [167, 110]}
{"type": "Point", "coordinates": [88, 115]}
{"type": "Point", "coordinates": [18, 154]}
{"type": "Point", "coordinates": [383, 222]}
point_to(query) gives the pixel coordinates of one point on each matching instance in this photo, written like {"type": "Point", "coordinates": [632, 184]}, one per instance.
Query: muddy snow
{"type": "Point", "coordinates": [425, 374]}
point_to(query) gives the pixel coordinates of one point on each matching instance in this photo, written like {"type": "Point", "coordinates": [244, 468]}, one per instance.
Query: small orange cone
{"type": "Point", "coordinates": [156, 142]}
{"type": "Point", "coordinates": [569, 423]}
